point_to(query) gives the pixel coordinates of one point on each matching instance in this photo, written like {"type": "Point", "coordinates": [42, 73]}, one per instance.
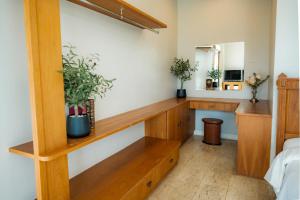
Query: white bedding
{"type": "Point", "coordinates": [284, 173]}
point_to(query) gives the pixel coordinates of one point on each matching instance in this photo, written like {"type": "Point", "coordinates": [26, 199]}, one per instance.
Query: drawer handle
{"type": "Point", "coordinates": [149, 184]}
{"type": "Point", "coordinates": [171, 160]}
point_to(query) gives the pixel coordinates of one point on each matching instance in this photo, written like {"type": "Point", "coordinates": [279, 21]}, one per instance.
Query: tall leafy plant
{"type": "Point", "coordinates": [182, 69]}
{"type": "Point", "coordinates": [80, 80]}
{"type": "Point", "coordinates": [215, 74]}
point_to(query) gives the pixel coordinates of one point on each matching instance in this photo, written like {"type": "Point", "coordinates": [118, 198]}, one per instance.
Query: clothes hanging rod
{"type": "Point", "coordinates": [120, 16]}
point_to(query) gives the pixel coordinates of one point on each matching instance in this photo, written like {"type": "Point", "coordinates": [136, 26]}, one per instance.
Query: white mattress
{"type": "Point", "coordinates": [291, 143]}
{"type": "Point", "coordinates": [284, 173]}
{"type": "Point", "coordinates": [290, 188]}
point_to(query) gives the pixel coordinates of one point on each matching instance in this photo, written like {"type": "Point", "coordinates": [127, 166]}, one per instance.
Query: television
{"type": "Point", "coordinates": [233, 75]}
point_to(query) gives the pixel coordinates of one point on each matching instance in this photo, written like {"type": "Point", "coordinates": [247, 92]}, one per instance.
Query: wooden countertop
{"type": "Point", "coordinates": [245, 107]}
{"type": "Point", "coordinates": [111, 125]}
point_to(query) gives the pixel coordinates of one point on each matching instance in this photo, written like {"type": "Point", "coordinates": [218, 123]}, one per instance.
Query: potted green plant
{"type": "Point", "coordinates": [183, 71]}
{"type": "Point", "coordinates": [81, 83]}
{"type": "Point", "coordinates": [254, 82]}
{"type": "Point", "coordinates": [215, 75]}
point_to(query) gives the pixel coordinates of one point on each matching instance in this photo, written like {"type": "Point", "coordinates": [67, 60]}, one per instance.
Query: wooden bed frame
{"type": "Point", "coordinates": [288, 110]}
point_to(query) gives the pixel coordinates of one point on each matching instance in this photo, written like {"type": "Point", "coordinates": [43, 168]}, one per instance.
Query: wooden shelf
{"type": "Point", "coordinates": [109, 126]}
{"type": "Point", "coordinates": [131, 14]}
{"type": "Point", "coordinates": [103, 128]}
{"type": "Point", "coordinates": [117, 175]}
{"type": "Point", "coordinates": [25, 150]}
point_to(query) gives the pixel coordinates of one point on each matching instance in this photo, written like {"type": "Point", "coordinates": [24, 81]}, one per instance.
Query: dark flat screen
{"type": "Point", "coordinates": [233, 75]}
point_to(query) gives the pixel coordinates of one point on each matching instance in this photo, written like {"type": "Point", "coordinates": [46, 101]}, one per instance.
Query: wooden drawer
{"type": "Point", "coordinates": [202, 105]}
{"type": "Point", "coordinates": [151, 180]}
{"type": "Point", "coordinates": [207, 106]}
{"type": "Point", "coordinates": [230, 107]}
{"type": "Point", "coordinates": [144, 187]}
{"type": "Point", "coordinates": [168, 164]}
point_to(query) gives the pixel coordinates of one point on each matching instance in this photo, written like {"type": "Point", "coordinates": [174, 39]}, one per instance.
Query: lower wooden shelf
{"type": "Point", "coordinates": [131, 173]}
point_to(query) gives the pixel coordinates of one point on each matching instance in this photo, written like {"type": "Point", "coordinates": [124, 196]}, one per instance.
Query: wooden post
{"type": "Point", "coordinates": [281, 109]}
{"type": "Point", "coordinates": [42, 20]}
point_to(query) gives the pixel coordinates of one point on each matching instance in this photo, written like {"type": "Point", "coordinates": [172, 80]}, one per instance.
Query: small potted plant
{"type": "Point", "coordinates": [254, 82]}
{"type": "Point", "coordinates": [80, 84]}
{"type": "Point", "coordinates": [183, 71]}
{"type": "Point", "coordinates": [215, 75]}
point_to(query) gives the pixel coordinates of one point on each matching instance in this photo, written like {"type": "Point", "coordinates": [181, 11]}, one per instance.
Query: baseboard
{"type": "Point", "coordinates": [228, 136]}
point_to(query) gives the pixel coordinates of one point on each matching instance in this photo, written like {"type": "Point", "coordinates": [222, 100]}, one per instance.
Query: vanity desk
{"type": "Point", "coordinates": [253, 124]}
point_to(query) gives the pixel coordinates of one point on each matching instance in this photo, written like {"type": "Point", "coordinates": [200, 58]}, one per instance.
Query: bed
{"type": "Point", "coordinates": [284, 173]}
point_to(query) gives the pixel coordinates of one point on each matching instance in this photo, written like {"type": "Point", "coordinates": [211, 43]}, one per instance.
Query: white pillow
{"type": "Point", "coordinates": [291, 143]}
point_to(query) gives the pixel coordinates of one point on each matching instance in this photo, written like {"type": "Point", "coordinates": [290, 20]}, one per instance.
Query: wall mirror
{"type": "Point", "coordinates": [220, 66]}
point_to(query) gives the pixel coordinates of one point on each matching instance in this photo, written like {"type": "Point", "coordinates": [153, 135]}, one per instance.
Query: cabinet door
{"type": "Point", "coordinates": [180, 122]}
{"type": "Point", "coordinates": [191, 122]}
{"type": "Point", "coordinates": [184, 124]}
{"type": "Point", "coordinates": [174, 123]}
{"type": "Point", "coordinates": [187, 121]}
{"type": "Point", "coordinates": [253, 150]}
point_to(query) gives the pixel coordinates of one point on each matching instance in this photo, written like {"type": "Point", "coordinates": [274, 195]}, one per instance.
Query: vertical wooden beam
{"type": "Point", "coordinates": [42, 20]}
{"type": "Point", "coordinates": [281, 112]}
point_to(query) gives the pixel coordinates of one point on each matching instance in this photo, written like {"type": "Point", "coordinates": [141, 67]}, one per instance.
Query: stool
{"type": "Point", "coordinates": [212, 131]}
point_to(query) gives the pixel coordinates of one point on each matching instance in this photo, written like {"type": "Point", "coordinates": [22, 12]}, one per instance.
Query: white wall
{"type": "Point", "coordinates": [272, 52]}
{"type": "Point", "coordinates": [286, 52]}
{"type": "Point", "coordinates": [204, 22]}
{"type": "Point", "coordinates": [16, 173]}
{"type": "Point", "coordinates": [233, 56]}
{"type": "Point", "coordinates": [139, 59]}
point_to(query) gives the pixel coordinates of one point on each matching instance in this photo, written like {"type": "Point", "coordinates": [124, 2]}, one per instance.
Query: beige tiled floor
{"type": "Point", "coordinates": [207, 172]}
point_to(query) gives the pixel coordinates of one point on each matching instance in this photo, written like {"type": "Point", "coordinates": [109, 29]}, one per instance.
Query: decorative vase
{"type": "Point", "coordinates": [78, 126]}
{"type": "Point", "coordinates": [254, 93]}
{"type": "Point", "coordinates": [181, 93]}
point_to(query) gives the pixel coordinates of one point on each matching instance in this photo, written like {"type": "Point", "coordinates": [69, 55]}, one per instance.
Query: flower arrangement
{"type": "Point", "coordinates": [254, 82]}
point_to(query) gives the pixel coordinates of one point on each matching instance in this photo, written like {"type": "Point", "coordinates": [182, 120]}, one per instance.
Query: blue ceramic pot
{"type": "Point", "coordinates": [78, 126]}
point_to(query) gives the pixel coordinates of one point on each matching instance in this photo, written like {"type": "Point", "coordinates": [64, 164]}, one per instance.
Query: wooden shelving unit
{"type": "Point", "coordinates": [123, 11]}
{"type": "Point", "coordinates": [50, 145]}
{"type": "Point", "coordinates": [112, 125]}
{"type": "Point", "coordinates": [140, 165]}
{"type": "Point", "coordinates": [103, 128]}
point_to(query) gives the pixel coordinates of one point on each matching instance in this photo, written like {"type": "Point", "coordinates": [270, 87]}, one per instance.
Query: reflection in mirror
{"type": "Point", "coordinates": [220, 66]}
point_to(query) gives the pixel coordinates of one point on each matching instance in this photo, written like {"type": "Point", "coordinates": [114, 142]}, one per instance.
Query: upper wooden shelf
{"type": "Point", "coordinates": [109, 126]}
{"type": "Point", "coordinates": [123, 11]}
